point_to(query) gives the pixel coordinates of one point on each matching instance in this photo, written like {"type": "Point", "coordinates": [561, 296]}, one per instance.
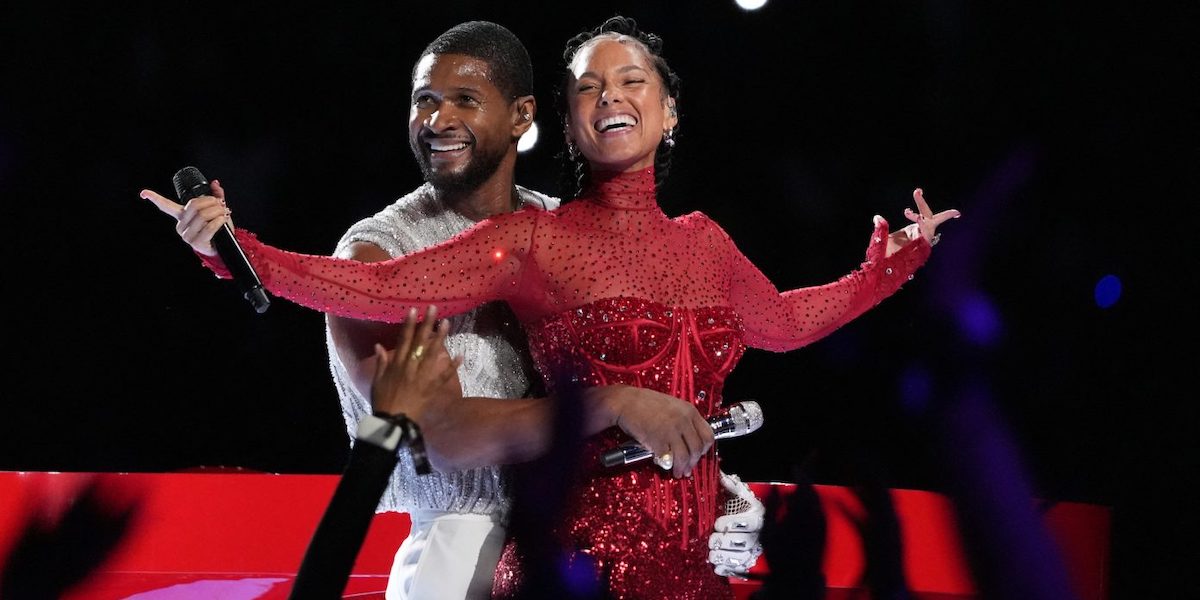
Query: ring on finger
{"type": "Point", "coordinates": [664, 461]}
{"type": "Point", "coordinates": [417, 353]}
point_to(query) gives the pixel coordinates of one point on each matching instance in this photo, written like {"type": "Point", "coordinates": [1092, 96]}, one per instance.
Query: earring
{"type": "Point", "coordinates": [527, 116]}
{"type": "Point", "coordinates": [669, 138]}
{"type": "Point", "coordinates": [572, 150]}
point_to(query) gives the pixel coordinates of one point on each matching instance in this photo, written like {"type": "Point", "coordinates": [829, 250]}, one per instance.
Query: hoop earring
{"type": "Point", "coordinates": [669, 138]}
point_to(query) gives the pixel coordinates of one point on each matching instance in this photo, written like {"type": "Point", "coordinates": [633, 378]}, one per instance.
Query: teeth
{"type": "Point", "coordinates": [615, 121]}
{"type": "Point", "coordinates": [446, 147]}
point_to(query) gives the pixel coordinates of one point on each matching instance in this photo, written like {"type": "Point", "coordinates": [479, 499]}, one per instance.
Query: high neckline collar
{"type": "Point", "coordinates": [633, 190]}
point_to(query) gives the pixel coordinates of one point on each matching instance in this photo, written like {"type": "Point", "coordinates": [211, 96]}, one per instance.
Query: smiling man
{"type": "Point", "coordinates": [472, 100]}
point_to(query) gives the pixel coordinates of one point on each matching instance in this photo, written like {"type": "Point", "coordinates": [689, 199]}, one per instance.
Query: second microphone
{"type": "Point", "coordinates": [735, 421]}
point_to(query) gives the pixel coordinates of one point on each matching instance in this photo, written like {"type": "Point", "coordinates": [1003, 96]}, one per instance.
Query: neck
{"type": "Point", "coordinates": [496, 195]}
{"type": "Point", "coordinates": [630, 190]}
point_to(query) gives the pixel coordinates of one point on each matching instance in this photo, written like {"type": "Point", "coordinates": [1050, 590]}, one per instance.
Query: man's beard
{"type": "Point", "coordinates": [480, 166]}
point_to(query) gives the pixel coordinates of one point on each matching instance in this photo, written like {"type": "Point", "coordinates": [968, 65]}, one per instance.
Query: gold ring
{"type": "Point", "coordinates": [417, 353]}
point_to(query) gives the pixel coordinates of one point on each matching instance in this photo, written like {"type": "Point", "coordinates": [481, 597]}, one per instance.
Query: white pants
{"type": "Point", "coordinates": [447, 556]}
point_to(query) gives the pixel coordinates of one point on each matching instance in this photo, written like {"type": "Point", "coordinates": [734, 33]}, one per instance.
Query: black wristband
{"type": "Point", "coordinates": [410, 437]}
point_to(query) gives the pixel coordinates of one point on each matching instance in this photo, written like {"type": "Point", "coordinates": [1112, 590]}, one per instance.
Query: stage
{"type": "Point", "coordinates": [241, 535]}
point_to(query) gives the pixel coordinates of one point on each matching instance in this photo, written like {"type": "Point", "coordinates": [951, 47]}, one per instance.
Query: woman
{"type": "Point", "coordinates": [612, 290]}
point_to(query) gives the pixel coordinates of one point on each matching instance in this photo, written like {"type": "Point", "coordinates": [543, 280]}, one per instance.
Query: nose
{"type": "Point", "coordinates": [440, 120]}
{"type": "Point", "coordinates": [609, 95]}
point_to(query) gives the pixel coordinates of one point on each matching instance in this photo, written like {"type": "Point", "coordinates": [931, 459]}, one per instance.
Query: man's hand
{"type": "Point", "coordinates": [418, 372]}
{"type": "Point", "coordinates": [198, 221]}
{"type": "Point", "coordinates": [733, 545]}
{"type": "Point", "coordinates": [660, 423]}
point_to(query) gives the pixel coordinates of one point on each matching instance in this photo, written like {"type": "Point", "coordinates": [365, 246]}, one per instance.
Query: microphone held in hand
{"type": "Point", "coordinates": [735, 421]}
{"type": "Point", "coordinates": [190, 183]}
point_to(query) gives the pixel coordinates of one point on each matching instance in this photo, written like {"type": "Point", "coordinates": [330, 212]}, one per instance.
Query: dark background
{"type": "Point", "coordinates": [1061, 131]}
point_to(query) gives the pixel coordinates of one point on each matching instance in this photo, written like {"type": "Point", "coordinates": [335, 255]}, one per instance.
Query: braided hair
{"type": "Point", "coordinates": [575, 172]}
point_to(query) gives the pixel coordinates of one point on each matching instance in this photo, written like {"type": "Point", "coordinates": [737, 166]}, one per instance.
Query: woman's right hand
{"type": "Point", "coordinates": [198, 221]}
{"type": "Point", "coordinates": [662, 424]}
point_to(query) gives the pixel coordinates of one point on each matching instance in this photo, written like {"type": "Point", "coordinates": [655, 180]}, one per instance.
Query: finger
{"type": "Point", "coordinates": [421, 340]}
{"type": "Point", "coordinates": [436, 330]}
{"type": "Point", "coordinates": [657, 451]}
{"type": "Point", "coordinates": [195, 220]}
{"type": "Point", "coordinates": [728, 563]}
{"type": "Point", "coordinates": [734, 542]}
{"type": "Point", "coordinates": [450, 371]}
{"type": "Point", "coordinates": [946, 215]}
{"type": "Point", "coordinates": [202, 232]}
{"type": "Point", "coordinates": [163, 203]}
{"type": "Point", "coordinates": [700, 440]}
{"type": "Point", "coordinates": [198, 208]}
{"type": "Point", "coordinates": [680, 457]}
{"type": "Point", "coordinates": [381, 359]}
{"type": "Point", "coordinates": [404, 340]}
{"type": "Point", "coordinates": [912, 216]}
{"type": "Point", "coordinates": [425, 331]}
{"type": "Point", "coordinates": [922, 206]}
{"type": "Point", "coordinates": [695, 449]}
{"type": "Point", "coordinates": [749, 523]}
{"type": "Point", "coordinates": [436, 344]}
{"type": "Point", "coordinates": [217, 191]}
{"type": "Point", "coordinates": [706, 432]}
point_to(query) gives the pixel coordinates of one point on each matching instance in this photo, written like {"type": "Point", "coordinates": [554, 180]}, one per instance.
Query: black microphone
{"type": "Point", "coordinates": [190, 183]}
{"type": "Point", "coordinates": [735, 421]}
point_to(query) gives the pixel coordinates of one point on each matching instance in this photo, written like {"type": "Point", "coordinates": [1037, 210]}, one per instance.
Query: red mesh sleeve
{"type": "Point", "coordinates": [481, 264]}
{"type": "Point", "coordinates": [786, 321]}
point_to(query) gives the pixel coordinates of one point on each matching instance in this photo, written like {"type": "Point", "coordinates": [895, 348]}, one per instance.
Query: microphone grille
{"type": "Point", "coordinates": [188, 181]}
{"type": "Point", "coordinates": [753, 415]}
{"type": "Point", "coordinates": [748, 415]}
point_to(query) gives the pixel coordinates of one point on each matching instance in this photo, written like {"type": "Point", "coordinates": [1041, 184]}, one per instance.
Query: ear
{"type": "Point", "coordinates": [524, 111]}
{"type": "Point", "coordinates": [672, 117]}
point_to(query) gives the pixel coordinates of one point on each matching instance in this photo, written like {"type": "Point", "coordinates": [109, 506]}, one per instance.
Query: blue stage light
{"type": "Point", "coordinates": [1108, 291]}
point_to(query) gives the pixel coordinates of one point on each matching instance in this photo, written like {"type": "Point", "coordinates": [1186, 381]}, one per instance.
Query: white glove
{"type": "Point", "coordinates": [733, 545]}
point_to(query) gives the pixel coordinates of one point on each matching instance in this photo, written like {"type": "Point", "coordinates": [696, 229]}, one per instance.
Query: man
{"type": "Point", "coordinates": [472, 100]}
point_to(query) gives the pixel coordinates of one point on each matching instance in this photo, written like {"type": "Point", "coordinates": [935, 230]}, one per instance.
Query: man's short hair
{"type": "Point", "coordinates": [507, 59]}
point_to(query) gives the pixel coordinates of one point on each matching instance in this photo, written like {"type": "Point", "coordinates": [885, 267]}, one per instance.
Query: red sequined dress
{"type": "Point", "coordinates": [613, 289]}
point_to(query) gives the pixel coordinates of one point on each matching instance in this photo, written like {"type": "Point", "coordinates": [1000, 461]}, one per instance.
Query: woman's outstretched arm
{"type": "Point", "coordinates": [482, 264]}
{"type": "Point", "coordinates": [785, 321]}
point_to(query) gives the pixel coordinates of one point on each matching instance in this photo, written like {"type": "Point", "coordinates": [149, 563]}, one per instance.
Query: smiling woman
{"type": "Point", "coordinates": [613, 73]}
{"type": "Point", "coordinates": [620, 111]}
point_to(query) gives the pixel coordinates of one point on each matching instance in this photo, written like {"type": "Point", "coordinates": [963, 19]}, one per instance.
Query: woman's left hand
{"type": "Point", "coordinates": [924, 224]}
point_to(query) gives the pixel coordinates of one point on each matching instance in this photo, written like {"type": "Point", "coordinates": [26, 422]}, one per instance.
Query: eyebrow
{"type": "Point", "coordinates": [458, 90]}
{"type": "Point", "coordinates": [622, 70]}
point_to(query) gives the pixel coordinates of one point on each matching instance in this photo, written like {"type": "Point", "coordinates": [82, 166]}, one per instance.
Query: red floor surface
{"type": "Point", "coordinates": [242, 535]}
